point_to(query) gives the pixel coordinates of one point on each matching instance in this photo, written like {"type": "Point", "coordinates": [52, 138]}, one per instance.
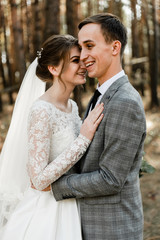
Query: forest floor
{"type": "Point", "coordinates": [150, 183]}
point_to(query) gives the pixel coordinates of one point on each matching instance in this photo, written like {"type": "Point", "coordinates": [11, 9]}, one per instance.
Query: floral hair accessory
{"type": "Point", "coordinates": [39, 53]}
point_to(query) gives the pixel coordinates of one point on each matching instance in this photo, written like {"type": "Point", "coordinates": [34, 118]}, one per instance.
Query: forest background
{"type": "Point", "coordinates": [25, 24]}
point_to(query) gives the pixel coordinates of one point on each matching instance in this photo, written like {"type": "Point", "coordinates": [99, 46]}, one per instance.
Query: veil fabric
{"type": "Point", "coordinates": [14, 179]}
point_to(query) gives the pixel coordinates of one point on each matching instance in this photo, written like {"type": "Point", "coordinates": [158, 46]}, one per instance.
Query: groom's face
{"type": "Point", "coordinates": [96, 53]}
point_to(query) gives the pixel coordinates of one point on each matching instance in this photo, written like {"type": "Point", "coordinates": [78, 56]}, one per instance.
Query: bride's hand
{"type": "Point", "coordinates": [92, 121]}
{"type": "Point", "coordinates": [45, 189]}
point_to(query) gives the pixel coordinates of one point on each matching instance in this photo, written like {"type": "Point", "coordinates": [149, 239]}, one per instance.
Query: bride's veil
{"type": "Point", "coordinates": [13, 158]}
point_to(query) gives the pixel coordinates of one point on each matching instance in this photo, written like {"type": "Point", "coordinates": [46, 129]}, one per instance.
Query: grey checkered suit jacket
{"type": "Point", "coordinates": [107, 184]}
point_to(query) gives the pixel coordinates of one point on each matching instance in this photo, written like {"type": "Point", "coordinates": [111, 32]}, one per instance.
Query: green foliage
{"type": "Point", "coordinates": [146, 167]}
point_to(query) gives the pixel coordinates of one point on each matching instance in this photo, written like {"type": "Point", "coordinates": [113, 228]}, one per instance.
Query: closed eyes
{"type": "Point", "coordinates": [76, 60]}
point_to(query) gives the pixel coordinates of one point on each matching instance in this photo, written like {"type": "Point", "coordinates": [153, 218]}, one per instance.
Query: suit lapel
{"type": "Point", "coordinates": [110, 92]}
{"type": "Point", "coordinates": [113, 89]}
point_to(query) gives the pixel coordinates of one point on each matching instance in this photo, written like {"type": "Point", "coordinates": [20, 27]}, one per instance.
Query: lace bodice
{"type": "Point", "coordinates": [54, 142]}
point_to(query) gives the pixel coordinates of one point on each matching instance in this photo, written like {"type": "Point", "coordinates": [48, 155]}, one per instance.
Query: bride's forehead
{"type": "Point", "coordinates": [74, 51]}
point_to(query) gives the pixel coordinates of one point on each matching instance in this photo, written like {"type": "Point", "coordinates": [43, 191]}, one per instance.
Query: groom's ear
{"type": "Point", "coordinates": [116, 47]}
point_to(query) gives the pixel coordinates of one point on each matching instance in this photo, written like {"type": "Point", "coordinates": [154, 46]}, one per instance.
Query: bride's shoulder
{"type": "Point", "coordinates": [40, 106]}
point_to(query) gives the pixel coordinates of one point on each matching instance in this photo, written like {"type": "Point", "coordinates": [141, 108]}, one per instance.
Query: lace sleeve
{"type": "Point", "coordinates": [41, 172]}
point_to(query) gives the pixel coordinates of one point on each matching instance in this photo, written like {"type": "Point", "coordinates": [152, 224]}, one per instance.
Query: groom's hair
{"type": "Point", "coordinates": [111, 26]}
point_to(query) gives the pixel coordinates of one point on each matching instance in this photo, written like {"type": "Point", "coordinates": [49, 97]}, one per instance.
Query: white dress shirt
{"type": "Point", "coordinates": [103, 88]}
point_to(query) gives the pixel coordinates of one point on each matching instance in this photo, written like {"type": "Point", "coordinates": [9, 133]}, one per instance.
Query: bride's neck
{"type": "Point", "coordinates": [59, 96]}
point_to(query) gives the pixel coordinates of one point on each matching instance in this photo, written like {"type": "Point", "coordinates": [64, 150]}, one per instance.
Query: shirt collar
{"type": "Point", "coordinates": [103, 88]}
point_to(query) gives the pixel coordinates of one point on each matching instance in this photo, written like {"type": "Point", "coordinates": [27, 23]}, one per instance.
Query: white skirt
{"type": "Point", "coordinates": [39, 217]}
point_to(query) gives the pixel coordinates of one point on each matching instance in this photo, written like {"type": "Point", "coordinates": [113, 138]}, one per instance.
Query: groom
{"type": "Point", "coordinates": [107, 185]}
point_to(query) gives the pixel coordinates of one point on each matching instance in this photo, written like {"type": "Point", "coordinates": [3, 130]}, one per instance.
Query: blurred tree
{"type": "Point", "coordinates": [25, 24]}
{"type": "Point", "coordinates": [7, 81]}
{"type": "Point", "coordinates": [137, 68]}
{"type": "Point", "coordinates": [115, 7]}
{"type": "Point", "coordinates": [18, 38]}
{"type": "Point", "coordinates": [37, 27]}
{"type": "Point", "coordinates": [72, 28]}
{"type": "Point", "coordinates": [1, 47]}
{"type": "Point", "coordinates": [1, 65]}
{"type": "Point", "coordinates": [96, 4]}
{"type": "Point", "coordinates": [52, 18]}
{"type": "Point", "coordinates": [110, 6]}
{"type": "Point", "coordinates": [155, 55]}
{"type": "Point", "coordinates": [152, 34]}
{"type": "Point", "coordinates": [72, 17]}
{"type": "Point", "coordinates": [31, 17]}
{"type": "Point", "coordinates": [135, 39]}
{"type": "Point", "coordinates": [89, 9]}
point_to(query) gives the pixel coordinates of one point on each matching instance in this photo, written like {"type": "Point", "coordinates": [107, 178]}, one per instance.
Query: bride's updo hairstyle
{"type": "Point", "coordinates": [54, 49]}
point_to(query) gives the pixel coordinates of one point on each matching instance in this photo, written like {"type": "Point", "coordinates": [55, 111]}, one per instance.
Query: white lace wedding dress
{"type": "Point", "coordinates": [55, 145]}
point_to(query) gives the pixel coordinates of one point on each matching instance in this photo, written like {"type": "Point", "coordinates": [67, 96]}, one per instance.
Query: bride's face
{"type": "Point", "coordinates": [74, 70]}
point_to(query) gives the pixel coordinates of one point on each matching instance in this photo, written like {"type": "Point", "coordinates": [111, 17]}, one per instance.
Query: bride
{"type": "Point", "coordinates": [45, 134]}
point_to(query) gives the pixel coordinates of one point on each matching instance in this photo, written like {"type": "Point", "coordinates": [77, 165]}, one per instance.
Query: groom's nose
{"type": "Point", "coordinates": [82, 65]}
{"type": "Point", "coordinates": [83, 55]}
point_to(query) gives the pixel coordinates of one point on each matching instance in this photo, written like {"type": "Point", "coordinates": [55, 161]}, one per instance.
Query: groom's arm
{"type": "Point", "coordinates": [124, 137]}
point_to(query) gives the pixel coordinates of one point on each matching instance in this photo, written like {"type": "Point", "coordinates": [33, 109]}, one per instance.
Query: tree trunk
{"type": "Point", "coordinates": [72, 27]}
{"type": "Point", "coordinates": [96, 3]}
{"type": "Point", "coordinates": [118, 9]}
{"type": "Point", "coordinates": [72, 17]}
{"type": "Point", "coordinates": [115, 7]}
{"type": "Point", "coordinates": [28, 27]}
{"type": "Point", "coordinates": [3, 77]}
{"type": "Point", "coordinates": [111, 7]}
{"type": "Point", "coordinates": [4, 82]}
{"type": "Point", "coordinates": [52, 17]}
{"type": "Point", "coordinates": [137, 69]}
{"type": "Point", "coordinates": [18, 39]}
{"type": "Point", "coordinates": [135, 44]}
{"type": "Point", "coordinates": [152, 52]}
{"type": "Point", "coordinates": [89, 10]}
{"type": "Point", "coordinates": [154, 60]}
{"type": "Point", "coordinates": [10, 76]}
{"type": "Point", "coordinates": [37, 28]}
